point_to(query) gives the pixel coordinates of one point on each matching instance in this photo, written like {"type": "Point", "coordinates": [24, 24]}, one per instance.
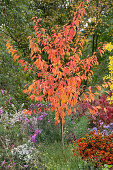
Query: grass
{"type": "Point", "coordinates": [56, 157]}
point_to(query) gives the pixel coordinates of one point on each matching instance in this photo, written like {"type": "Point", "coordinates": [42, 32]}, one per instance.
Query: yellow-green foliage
{"type": "Point", "coordinates": [109, 47]}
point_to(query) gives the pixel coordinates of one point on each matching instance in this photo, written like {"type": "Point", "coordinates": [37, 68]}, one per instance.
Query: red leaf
{"type": "Point", "coordinates": [25, 69]}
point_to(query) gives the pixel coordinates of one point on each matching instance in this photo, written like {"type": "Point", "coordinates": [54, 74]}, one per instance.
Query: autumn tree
{"type": "Point", "coordinates": [60, 75]}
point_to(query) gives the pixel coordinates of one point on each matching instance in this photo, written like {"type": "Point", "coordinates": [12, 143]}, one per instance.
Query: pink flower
{"type": "Point", "coordinates": [2, 91]}
{"type": "Point", "coordinates": [37, 131]}
{"type": "Point", "coordinates": [3, 162]}
{"type": "Point", "coordinates": [10, 166]}
{"type": "Point", "coordinates": [33, 138]}
{"type": "Point", "coordinates": [10, 98]}
{"type": "Point", "coordinates": [9, 101]}
{"type": "Point", "coordinates": [1, 111]}
{"type": "Point", "coordinates": [27, 120]}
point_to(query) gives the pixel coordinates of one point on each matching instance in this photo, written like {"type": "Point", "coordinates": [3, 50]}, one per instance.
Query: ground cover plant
{"type": "Point", "coordinates": [64, 108]}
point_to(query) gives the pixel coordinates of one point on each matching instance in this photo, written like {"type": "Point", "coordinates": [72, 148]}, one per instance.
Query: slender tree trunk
{"type": "Point", "coordinates": [96, 40]}
{"type": "Point", "coordinates": [62, 131]}
{"type": "Point", "coordinates": [62, 135]}
{"type": "Point", "coordinates": [93, 43]}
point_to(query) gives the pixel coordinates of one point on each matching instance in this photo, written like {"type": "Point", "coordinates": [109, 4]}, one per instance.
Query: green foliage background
{"type": "Point", "coordinates": [16, 25]}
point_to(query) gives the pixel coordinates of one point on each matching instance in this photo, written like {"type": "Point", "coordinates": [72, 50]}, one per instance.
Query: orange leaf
{"type": "Point", "coordinates": [25, 91]}
{"type": "Point", "coordinates": [88, 1]}
{"type": "Point", "coordinates": [105, 109]}
{"type": "Point", "coordinates": [25, 69]}
{"type": "Point", "coordinates": [98, 107]}
{"type": "Point", "coordinates": [56, 123]}
{"type": "Point", "coordinates": [26, 112]}
{"type": "Point", "coordinates": [16, 57]}
{"type": "Point", "coordinates": [77, 22]}
{"type": "Point", "coordinates": [98, 87]}
{"type": "Point", "coordinates": [14, 51]}
{"type": "Point", "coordinates": [69, 111]}
{"type": "Point", "coordinates": [32, 97]}
{"type": "Point", "coordinates": [91, 96]}
{"type": "Point", "coordinates": [92, 111]}
{"type": "Point", "coordinates": [84, 96]}
{"type": "Point", "coordinates": [89, 88]}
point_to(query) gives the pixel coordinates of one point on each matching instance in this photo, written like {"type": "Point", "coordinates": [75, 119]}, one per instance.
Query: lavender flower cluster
{"type": "Point", "coordinates": [107, 129]}
{"type": "Point", "coordinates": [33, 138]}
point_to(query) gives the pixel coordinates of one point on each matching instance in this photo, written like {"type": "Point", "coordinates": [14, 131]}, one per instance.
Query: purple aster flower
{"type": "Point", "coordinates": [26, 166]}
{"type": "Point", "coordinates": [101, 123]}
{"type": "Point", "coordinates": [10, 166]}
{"type": "Point", "coordinates": [31, 129]}
{"type": "Point", "coordinates": [111, 125]}
{"type": "Point", "coordinates": [40, 118]}
{"type": "Point", "coordinates": [1, 111]}
{"type": "Point", "coordinates": [94, 118]}
{"type": "Point", "coordinates": [3, 162]}
{"type": "Point", "coordinates": [44, 114]}
{"type": "Point", "coordinates": [49, 105]}
{"type": "Point", "coordinates": [37, 131]}
{"type": "Point", "coordinates": [39, 105]}
{"type": "Point", "coordinates": [106, 127]}
{"type": "Point", "coordinates": [33, 138]}
{"type": "Point", "coordinates": [9, 101]}
{"type": "Point", "coordinates": [27, 120]}
{"type": "Point", "coordinates": [2, 91]}
{"type": "Point", "coordinates": [31, 105]}
{"type": "Point", "coordinates": [94, 129]}
{"type": "Point", "coordinates": [104, 132]}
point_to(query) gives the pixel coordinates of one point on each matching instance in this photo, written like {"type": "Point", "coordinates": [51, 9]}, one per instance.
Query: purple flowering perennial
{"type": "Point", "coordinates": [2, 91]}
{"type": "Point", "coordinates": [111, 125]}
{"type": "Point", "coordinates": [27, 120]}
{"type": "Point", "coordinates": [40, 118]}
{"type": "Point", "coordinates": [37, 131]}
{"type": "Point", "coordinates": [94, 129]}
{"type": "Point", "coordinates": [3, 163]}
{"type": "Point", "coordinates": [1, 111]}
{"type": "Point", "coordinates": [9, 101]}
{"type": "Point", "coordinates": [104, 132]}
{"type": "Point", "coordinates": [33, 138]}
{"type": "Point", "coordinates": [106, 127]}
{"type": "Point", "coordinates": [10, 166]}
